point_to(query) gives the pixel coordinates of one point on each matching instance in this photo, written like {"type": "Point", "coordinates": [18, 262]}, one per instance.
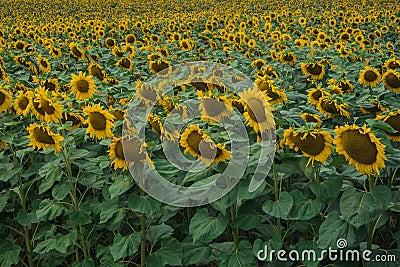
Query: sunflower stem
{"type": "Point", "coordinates": [75, 203]}
{"type": "Point", "coordinates": [143, 237]}
{"type": "Point", "coordinates": [371, 182]}
{"type": "Point", "coordinates": [277, 189]}
{"type": "Point", "coordinates": [235, 231]}
{"type": "Point", "coordinates": [24, 209]}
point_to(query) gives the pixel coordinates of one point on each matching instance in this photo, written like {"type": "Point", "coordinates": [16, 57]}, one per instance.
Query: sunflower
{"type": "Point", "coordinates": [155, 122]}
{"type": "Point", "coordinates": [76, 52]}
{"type": "Point", "coordinates": [96, 71]}
{"type": "Point", "coordinates": [55, 52]}
{"type": "Point", "coordinates": [116, 152]}
{"type": "Point", "coordinates": [5, 99]}
{"type": "Point", "coordinates": [75, 118]}
{"type": "Point", "coordinates": [41, 137]}
{"type": "Point", "coordinates": [23, 102]}
{"type": "Point", "coordinates": [44, 64]}
{"type": "Point", "coordinates": [201, 146]}
{"type": "Point", "coordinates": [45, 109]}
{"type": "Point", "coordinates": [130, 39]}
{"type": "Point", "coordinates": [50, 84]}
{"type": "Point", "coordinates": [158, 66]}
{"type": "Point", "coordinates": [369, 77]}
{"type": "Point", "coordinates": [393, 119]}
{"type": "Point", "coordinates": [257, 110]}
{"type": "Point", "coordinates": [213, 109]}
{"type": "Point", "coordinates": [314, 95]}
{"type": "Point", "coordinates": [275, 95]}
{"type": "Point", "coordinates": [110, 42]}
{"type": "Point", "coordinates": [373, 108]}
{"type": "Point", "coordinates": [391, 79]}
{"type": "Point", "coordinates": [315, 118]}
{"type": "Point", "coordinates": [331, 107]}
{"type": "Point", "coordinates": [392, 64]}
{"type": "Point", "coordinates": [125, 63]}
{"type": "Point", "coordinates": [258, 63]}
{"type": "Point", "coordinates": [361, 148]}
{"type": "Point", "coordinates": [315, 144]}
{"type": "Point", "coordinates": [100, 122]}
{"type": "Point", "coordinates": [146, 93]}
{"type": "Point", "coordinates": [267, 71]}
{"type": "Point", "coordinates": [289, 58]}
{"type": "Point", "coordinates": [118, 114]}
{"type": "Point", "coordinates": [315, 70]}
{"type": "Point", "coordinates": [186, 44]}
{"type": "Point", "coordinates": [3, 75]}
{"type": "Point", "coordinates": [82, 86]}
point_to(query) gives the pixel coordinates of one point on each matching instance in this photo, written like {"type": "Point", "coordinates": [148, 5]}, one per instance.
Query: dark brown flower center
{"type": "Point", "coordinates": [82, 86]}
{"type": "Point", "coordinates": [74, 119]}
{"type": "Point", "coordinates": [370, 76]}
{"type": "Point", "coordinates": [208, 150]}
{"type": "Point", "coordinates": [194, 140]}
{"type": "Point", "coordinates": [317, 95]}
{"type": "Point", "coordinates": [256, 110]}
{"type": "Point", "coordinates": [22, 103]}
{"type": "Point", "coordinates": [119, 151]}
{"type": "Point", "coordinates": [213, 107]}
{"type": "Point", "coordinates": [133, 150]}
{"type": "Point", "coordinates": [310, 145]}
{"type": "Point", "coordinates": [98, 121]}
{"type": "Point", "coordinates": [76, 52]}
{"type": "Point", "coordinates": [314, 69]}
{"type": "Point", "coordinates": [42, 136]}
{"type": "Point", "coordinates": [96, 72]}
{"type": "Point", "coordinates": [288, 57]}
{"type": "Point", "coordinates": [126, 63]}
{"type": "Point", "coordinates": [330, 107]}
{"type": "Point", "coordinates": [394, 121]}
{"type": "Point", "coordinates": [392, 80]}
{"type": "Point", "coordinates": [159, 66]}
{"type": "Point", "coordinates": [50, 86]}
{"type": "Point", "coordinates": [37, 108]}
{"type": "Point", "coordinates": [359, 146]}
{"type": "Point", "coordinates": [2, 98]}
{"type": "Point", "coordinates": [149, 93]}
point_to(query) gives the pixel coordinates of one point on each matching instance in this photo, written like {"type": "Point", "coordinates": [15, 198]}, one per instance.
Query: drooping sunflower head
{"type": "Point", "coordinates": [289, 58]}
{"type": "Point", "coordinates": [44, 64]}
{"type": "Point", "coordinates": [75, 118]}
{"type": "Point", "coordinates": [41, 137]}
{"type": "Point", "coordinates": [392, 64]}
{"type": "Point", "coordinates": [316, 70]}
{"type": "Point", "coordinates": [125, 63]}
{"type": "Point", "coordinates": [391, 79]}
{"type": "Point", "coordinates": [393, 119]}
{"type": "Point", "coordinates": [23, 102]}
{"type": "Point", "coordinates": [147, 93]}
{"type": "Point", "coordinates": [313, 118]}
{"type": "Point", "coordinates": [76, 52]}
{"type": "Point", "coordinates": [257, 110]}
{"type": "Point", "coordinates": [373, 107]}
{"type": "Point", "coordinates": [213, 108]}
{"type": "Point", "coordinates": [361, 148]}
{"type": "Point", "coordinates": [332, 107]}
{"type": "Point", "coordinates": [369, 77]}
{"type": "Point", "coordinates": [100, 122]}
{"type": "Point", "coordinates": [201, 146]}
{"type": "Point", "coordinates": [315, 144]}
{"type": "Point", "coordinates": [96, 71]}
{"type": "Point", "coordinates": [314, 95]}
{"type": "Point", "coordinates": [82, 86]}
{"type": "Point", "coordinates": [258, 63]}
{"type": "Point", "coordinates": [160, 67]}
{"type": "Point", "coordinates": [5, 99]}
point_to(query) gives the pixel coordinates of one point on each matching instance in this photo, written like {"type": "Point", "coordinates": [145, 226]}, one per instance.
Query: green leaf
{"type": "Point", "coordinates": [157, 232]}
{"type": "Point", "coordinates": [247, 217]}
{"type": "Point", "coordinates": [80, 217]}
{"type": "Point", "coordinates": [334, 228]}
{"type": "Point", "coordinates": [304, 208]}
{"type": "Point", "coordinates": [228, 200]}
{"type": "Point", "coordinates": [242, 257]}
{"type": "Point", "coordinates": [26, 219]}
{"type": "Point", "coordinates": [63, 242]}
{"type": "Point", "coordinates": [61, 190]}
{"type": "Point", "coordinates": [77, 154]}
{"type": "Point", "coordinates": [275, 243]}
{"type": "Point", "coordinates": [111, 210]}
{"type": "Point", "coordinates": [125, 246]}
{"type": "Point", "coordinates": [308, 247]}
{"type": "Point", "coordinates": [196, 254]}
{"type": "Point", "coordinates": [4, 197]}
{"type": "Point", "coordinates": [9, 254]}
{"type": "Point", "coordinates": [170, 253]}
{"type": "Point", "coordinates": [143, 204]}
{"type": "Point", "coordinates": [119, 186]}
{"type": "Point", "coordinates": [327, 191]}
{"type": "Point", "coordinates": [378, 124]}
{"type": "Point", "coordinates": [280, 208]}
{"type": "Point", "coordinates": [8, 171]}
{"type": "Point", "coordinates": [85, 263]}
{"type": "Point", "coordinates": [205, 227]}
{"type": "Point", "coordinates": [48, 210]}
{"type": "Point", "coordinates": [51, 172]}
{"type": "Point", "coordinates": [360, 208]}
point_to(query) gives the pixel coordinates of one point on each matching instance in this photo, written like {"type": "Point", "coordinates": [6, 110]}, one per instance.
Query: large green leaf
{"type": "Point", "coordinates": [9, 254]}
{"type": "Point", "coordinates": [157, 232]}
{"type": "Point", "coordinates": [303, 208]}
{"type": "Point", "coordinates": [334, 228]}
{"type": "Point", "coordinates": [196, 254]}
{"type": "Point", "coordinates": [279, 208]}
{"type": "Point", "coordinates": [170, 253]}
{"type": "Point", "coordinates": [242, 257]}
{"type": "Point", "coordinates": [327, 191]}
{"type": "Point", "coordinates": [205, 227]}
{"type": "Point", "coordinates": [125, 246]}
{"type": "Point", "coordinates": [360, 208]}
{"type": "Point", "coordinates": [120, 185]}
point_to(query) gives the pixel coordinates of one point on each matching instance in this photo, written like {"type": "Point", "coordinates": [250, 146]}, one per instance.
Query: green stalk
{"type": "Point", "coordinates": [24, 209]}
{"type": "Point", "coordinates": [371, 226]}
{"type": "Point", "coordinates": [277, 193]}
{"type": "Point", "coordinates": [75, 203]}
{"type": "Point", "coordinates": [235, 230]}
{"type": "Point", "coordinates": [143, 237]}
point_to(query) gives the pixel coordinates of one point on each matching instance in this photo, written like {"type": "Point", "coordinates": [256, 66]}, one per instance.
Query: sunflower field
{"type": "Point", "coordinates": [319, 79]}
